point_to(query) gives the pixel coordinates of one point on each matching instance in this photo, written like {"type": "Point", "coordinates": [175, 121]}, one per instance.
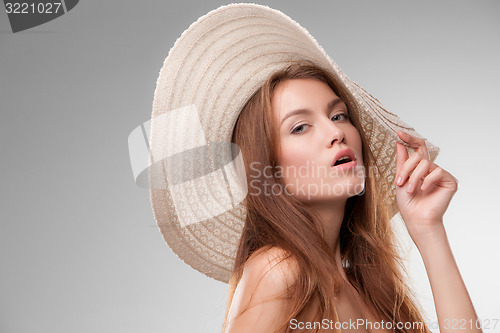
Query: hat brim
{"type": "Point", "coordinates": [214, 67]}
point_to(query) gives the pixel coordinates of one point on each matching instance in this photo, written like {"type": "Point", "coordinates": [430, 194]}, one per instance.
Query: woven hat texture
{"type": "Point", "coordinates": [212, 70]}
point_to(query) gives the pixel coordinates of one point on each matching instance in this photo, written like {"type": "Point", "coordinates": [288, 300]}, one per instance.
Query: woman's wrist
{"type": "Point", "coordinates": [428, 236]}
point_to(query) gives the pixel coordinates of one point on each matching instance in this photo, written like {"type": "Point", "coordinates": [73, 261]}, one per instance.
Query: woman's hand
{"type": "Point", "coordinates": [423, 196]}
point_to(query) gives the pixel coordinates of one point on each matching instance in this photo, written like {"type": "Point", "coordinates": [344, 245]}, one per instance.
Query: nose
{"type": "Point", "coordinates": [334, 133]}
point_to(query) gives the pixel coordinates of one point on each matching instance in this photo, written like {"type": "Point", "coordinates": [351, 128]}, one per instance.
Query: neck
{"type": "Point", "coordinates": [331, 215]}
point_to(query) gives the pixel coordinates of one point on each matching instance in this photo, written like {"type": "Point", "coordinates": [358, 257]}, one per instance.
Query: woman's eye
{"type": "Point", "coordinates": [340, 116]}
{"type": "Point", "coordinates": [299, 129]}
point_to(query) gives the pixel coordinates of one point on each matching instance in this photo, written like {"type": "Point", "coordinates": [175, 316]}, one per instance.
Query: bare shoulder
{"type": "Point", "coordinates": [271, 267]}
{"type": "Point", "coordinates": [260, 296]}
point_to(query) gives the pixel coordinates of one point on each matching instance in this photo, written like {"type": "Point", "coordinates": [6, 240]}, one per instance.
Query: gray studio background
{"type": "Point", "coordinates": [79, 247]}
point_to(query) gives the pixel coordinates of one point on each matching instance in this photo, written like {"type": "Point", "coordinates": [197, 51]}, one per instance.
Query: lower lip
{"type": "Point", "coordinates": [346, 166]}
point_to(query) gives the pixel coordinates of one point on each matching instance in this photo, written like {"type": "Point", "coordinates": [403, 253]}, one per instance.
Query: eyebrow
{"type": "Point", "coordinates": [330, 106]}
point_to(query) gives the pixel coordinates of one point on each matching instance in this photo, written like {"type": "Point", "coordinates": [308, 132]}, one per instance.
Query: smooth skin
{"type": "Point", "coordinates": [423, 193]}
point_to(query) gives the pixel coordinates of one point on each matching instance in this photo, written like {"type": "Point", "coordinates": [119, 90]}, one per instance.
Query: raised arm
{"type": "Point", "coordinates": [259, 303]}
{"type": "Point", "coordinates": [423, 198]}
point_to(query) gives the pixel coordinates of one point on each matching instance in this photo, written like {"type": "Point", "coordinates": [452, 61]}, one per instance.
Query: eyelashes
{"type": "Point", "coordinates": [338, 117]}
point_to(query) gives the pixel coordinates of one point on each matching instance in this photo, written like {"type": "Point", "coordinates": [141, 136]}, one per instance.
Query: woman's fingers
{"type": "Point", "coordinates": [416, 143]}
{"type": "Point", "coordinates": [401, 157]}
{"type": "Point", "coordinates": [407, 167]}
{"type": "Point", "coordinates": [414, 164]}
{"type": "Point", "coordinates": [423, 168]}
{"type": "Point", "coordinates": [437, 175]}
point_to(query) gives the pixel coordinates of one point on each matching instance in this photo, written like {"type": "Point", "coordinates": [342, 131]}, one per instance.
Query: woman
{"type": "Point", "coordinates": [304, 242]}
{"type": "Point", "coordinates": [304, 235]}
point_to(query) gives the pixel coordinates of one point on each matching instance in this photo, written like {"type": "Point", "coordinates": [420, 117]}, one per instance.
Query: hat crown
{"type": "Point", "coordinates": [210, 73]}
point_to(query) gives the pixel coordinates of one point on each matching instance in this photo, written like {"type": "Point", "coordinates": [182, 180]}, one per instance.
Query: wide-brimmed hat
{"type": "Point", "coordinates": [210, 73]}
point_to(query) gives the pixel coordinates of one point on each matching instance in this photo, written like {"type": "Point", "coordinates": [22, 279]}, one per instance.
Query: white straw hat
{"type": "Point", "coordinates": [212, 70]}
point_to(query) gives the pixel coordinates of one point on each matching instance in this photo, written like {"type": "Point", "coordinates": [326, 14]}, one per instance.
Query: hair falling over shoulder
{"type": "Point", "coordinates": [368, 249]}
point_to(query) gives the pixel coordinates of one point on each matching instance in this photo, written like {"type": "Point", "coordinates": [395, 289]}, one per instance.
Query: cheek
{"type": "Point", "coordinates": [360, 142]}
{"type": "Point", "coordinates": [294, 154]}
{"type": "Point", "coordinates": [298, 162]}
{"type": "Point", "coordinates": [357, 143]}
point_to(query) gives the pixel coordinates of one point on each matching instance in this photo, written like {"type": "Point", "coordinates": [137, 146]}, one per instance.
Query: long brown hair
{"type": "Point", "coordinates": [367, 244]}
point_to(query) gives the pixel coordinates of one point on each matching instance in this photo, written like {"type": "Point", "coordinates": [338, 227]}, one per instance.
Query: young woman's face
{"type": "Point", "coordinates": [315, 131]}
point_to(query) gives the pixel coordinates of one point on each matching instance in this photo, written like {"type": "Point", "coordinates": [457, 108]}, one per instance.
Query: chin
{"type": "Point", "coordinates": [324, 190]}
{"type": "Point", "coordinates": [359, 189]}
{"type": "Point", "coordinates": [352, 189]}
